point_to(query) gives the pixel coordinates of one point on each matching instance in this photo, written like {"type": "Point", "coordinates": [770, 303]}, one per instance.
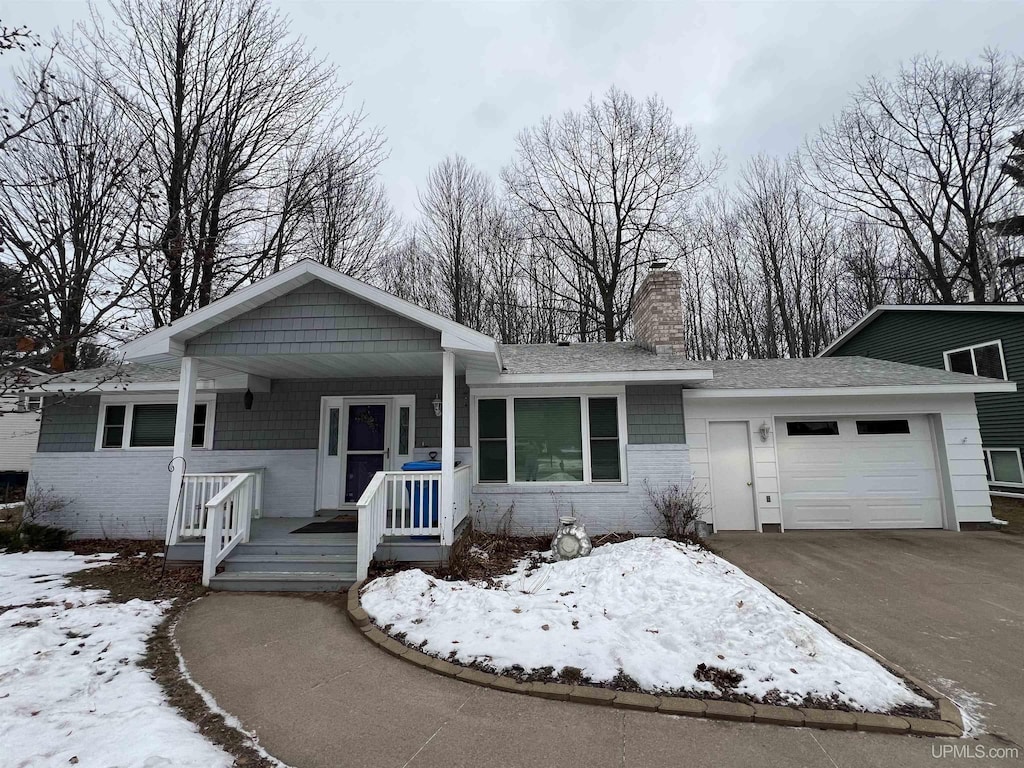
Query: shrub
{"type": "Point", "coordinates": [678, 511]}
{"type": "Point", "coordinates": [32, 532]}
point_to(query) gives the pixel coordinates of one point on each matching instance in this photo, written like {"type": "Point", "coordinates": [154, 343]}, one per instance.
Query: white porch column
{"type": "Point", "coordinates": [447, 447]}
{"type": "Point", "coordinates": [182, 440]}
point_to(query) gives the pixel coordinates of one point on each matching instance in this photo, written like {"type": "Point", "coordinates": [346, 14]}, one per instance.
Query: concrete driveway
{"type": "Point", "coordinates": [317, 694]}
{"type": "Point", "coordinates": [948, 607]}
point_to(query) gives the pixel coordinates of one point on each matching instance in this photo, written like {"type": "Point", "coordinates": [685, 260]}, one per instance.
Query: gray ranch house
{"type": "Point", "coordinates": [290, 433]}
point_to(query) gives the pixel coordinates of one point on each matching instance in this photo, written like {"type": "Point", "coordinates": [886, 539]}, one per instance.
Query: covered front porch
{"type": "Point", "coordinates": [331, 395]}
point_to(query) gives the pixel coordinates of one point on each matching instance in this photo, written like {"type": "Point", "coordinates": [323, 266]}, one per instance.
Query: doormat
{"type": "Point", "coordinates": [336, 525]}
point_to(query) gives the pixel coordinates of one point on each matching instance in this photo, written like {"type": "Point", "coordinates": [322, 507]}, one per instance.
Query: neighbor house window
{"type": "Point", "coordinates": [150, 424]}
{"type": "Point", "coordinates": [28, 403]}
{"type": "Point", "coordinates": [1003, 466]}
{"type": "Point", "coordinates": [979, 360]}
{"type": "Point", "coordinates": [549, 439]}
{"type": "Point", "coordinates": [812, 428]}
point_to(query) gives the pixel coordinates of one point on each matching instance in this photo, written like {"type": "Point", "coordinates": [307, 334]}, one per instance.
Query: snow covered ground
{"type": "Point", "coordinates": [651, 608]}
{"type": "Point", "coordinates": [71, 692]}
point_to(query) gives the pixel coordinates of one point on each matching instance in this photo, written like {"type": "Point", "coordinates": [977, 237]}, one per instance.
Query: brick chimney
{"type": "Point", "coordinates": [658, 312]}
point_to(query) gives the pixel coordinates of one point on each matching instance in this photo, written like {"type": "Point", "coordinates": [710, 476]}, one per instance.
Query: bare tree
{"type": "Point", "coordinates": [606, 187]}
{"type": "Point", "coordinates": [236, 108]}
{"type": "Point", "coordinates": [70, 201]}
{"type": "Point", "coordinates": [348, 223]}
{"type": "Point", "coordinates": [41, 106]}
{"type": "Point", "coordinates": [453, 207]}
{"type": "Point", "coordinates": [921, 154]}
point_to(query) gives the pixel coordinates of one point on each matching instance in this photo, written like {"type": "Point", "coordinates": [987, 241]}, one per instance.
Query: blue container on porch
{"type": "Point", "coordinates": [426, 502]}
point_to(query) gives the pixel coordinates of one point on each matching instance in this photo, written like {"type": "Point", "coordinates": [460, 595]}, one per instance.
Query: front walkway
{"type": "Point", "coordinates": [316, 693]}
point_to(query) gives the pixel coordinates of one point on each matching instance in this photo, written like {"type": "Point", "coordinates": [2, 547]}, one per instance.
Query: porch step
{"type": "Point", "coordinates": [292, 547]}
{"type": "Point", "coordinates": [300, 563]}
{"type": "Point", "coordinates": [281, 581]}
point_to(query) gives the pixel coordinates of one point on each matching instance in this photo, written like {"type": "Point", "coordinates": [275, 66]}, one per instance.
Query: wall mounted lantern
{"type": "Point", "coordinates": [764, 430]}
{"type": "Point", "coordinates": [436, 402]}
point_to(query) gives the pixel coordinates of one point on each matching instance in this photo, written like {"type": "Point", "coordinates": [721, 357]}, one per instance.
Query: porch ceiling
{"type": "Point", "coordinates": [336, 366]}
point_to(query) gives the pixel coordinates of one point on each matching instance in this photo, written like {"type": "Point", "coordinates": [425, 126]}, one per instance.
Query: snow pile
{"type": "Point", "coordinates": [70, 689]}
{"type": "Point", "coordinates": [651, 608]}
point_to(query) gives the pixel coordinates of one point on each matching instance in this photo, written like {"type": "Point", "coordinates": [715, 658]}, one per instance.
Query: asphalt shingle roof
{"type": "Point", "coordinates": [120, 374]}
{"type": "Point", "coordinates": [616, 357]}
{"type": "Point", "coordinates": [813, 372]}
{"type": "Point", "coordinates": [591, 357]}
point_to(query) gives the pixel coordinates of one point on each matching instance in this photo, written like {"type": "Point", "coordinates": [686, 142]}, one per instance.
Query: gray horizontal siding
{"type": "Point", "coordinates": [288, 417]}
{"type": "Point", "coordinates": [69, 424]}
{"type": "Point", "coordinates": [920, 338]}
{"type": "Point", "coordinates": [316, 318]}
{"type": "Point", "coordinates": [654, 414]}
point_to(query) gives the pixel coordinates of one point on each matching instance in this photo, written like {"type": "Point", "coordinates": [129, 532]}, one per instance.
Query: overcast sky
{"type": "Point", "coordinates": [446, 77]}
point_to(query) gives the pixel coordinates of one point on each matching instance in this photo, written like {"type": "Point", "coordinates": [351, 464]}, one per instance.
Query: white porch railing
{"type": "Point", "coordinates": [196, 492]}
{"type": "Point", "coordinates": [407, 504]}
{"type": "Point", "coordinates": [228, 517]}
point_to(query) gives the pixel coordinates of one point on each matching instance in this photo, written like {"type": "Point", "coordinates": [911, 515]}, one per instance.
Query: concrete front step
{"type": "Point", "coordinates": [282, 581]}
{"type": "Point", "coordinates": [304, 563]}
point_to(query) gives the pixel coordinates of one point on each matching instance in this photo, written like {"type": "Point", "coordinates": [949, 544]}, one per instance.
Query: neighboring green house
{"type": "Point", "coordinates": [986, 340]}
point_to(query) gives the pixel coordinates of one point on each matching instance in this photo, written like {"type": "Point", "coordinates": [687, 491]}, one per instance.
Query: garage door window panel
{"type": "Point", "coordinates": [812, 428]}
{"type": "Point", "coordinates": [883, 427]}
{"type": "Point", "coordinates": [978, 360]}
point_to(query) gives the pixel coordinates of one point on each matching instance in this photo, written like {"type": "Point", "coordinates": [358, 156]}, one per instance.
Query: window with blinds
{"type": "Point", "coordinates": [150, 425]}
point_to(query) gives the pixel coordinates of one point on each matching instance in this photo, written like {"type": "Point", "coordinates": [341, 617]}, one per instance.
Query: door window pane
{"type": "Point", "coordinates": [113, 426]}
{"type": "Point", "coordinates": [359, 471]}
{"type": "Point", "coordinates": [961, 362]}
{"type": "Point", "coordinates": [366, 427]}
{"type": "Point", "coordinates": [548, 440]}
{"type": "Point", "coordinates": [153, 425]}
{"type": "Point", "coordinates": [403, 431]}
{"type": "Point", "coordinates": [333, 415]}
{"type": "Point", "coordinates": [989, 362]}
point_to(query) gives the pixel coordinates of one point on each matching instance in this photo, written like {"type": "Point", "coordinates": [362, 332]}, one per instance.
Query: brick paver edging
{"type": "Point", "coordinates": [948, 724]}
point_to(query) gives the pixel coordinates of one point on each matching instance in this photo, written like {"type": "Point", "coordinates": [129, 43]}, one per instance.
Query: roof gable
{"type": "Point", "coordinates": [173, 340]}
{"type": "Point", "coordinates": [939, 309]}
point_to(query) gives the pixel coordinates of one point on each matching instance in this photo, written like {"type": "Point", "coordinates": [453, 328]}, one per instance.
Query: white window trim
{"type": "Point", "coordinates": [1020, 466]}
{"type": "Point", "coordinates": [974, 360]}
{"type": "Point", "coordinates": [583, 394]}
{"type": "Point", "coordinates": [130, 400]}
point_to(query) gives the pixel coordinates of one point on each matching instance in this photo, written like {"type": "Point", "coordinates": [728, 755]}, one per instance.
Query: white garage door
{"type": "Point", "coordinates": [858, 472]}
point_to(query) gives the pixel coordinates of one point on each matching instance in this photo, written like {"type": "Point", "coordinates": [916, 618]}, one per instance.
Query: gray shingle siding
{"type": "Point", "coordinates": [315, 318]}
{"type": "Point", "coordinates": [289, 415]}
{"type": "Point", "coordinates": [921, 337]}
{"type": "Point", "coordinates": [69, 424]}
{"type": "Point", "coordinates": [654, 414]}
